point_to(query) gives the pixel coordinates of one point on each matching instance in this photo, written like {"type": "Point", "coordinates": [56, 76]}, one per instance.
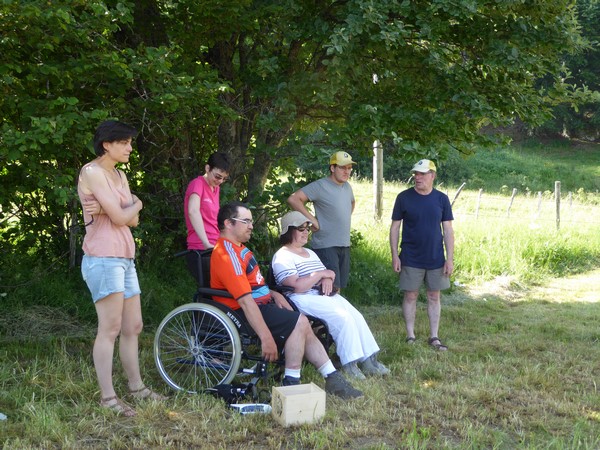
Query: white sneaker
{"type": "Point", "coordinates": [351, 370]}
{"type": "Point", "coordinates": [371, 366]}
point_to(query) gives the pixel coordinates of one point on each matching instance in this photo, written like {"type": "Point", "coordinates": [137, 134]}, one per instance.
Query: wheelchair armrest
{"type": "Point", "coordinates": [282, 289]}
{"type": "Point", "coordinates": [217, 292]}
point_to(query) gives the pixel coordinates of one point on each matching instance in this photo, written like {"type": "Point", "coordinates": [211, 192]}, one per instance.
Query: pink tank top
{"type": "Point", "coordinates": [102, 237]}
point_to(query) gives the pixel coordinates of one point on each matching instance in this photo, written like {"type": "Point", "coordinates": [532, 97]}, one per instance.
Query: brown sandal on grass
{"type": "Point", "coordinates": [436, 343]}
{"type": "Point", "coordinates": [119, 406]}
{"type": "Point", "coordinates": [411, 340]}
{"type": "Point", "coordinates": [145, 393]}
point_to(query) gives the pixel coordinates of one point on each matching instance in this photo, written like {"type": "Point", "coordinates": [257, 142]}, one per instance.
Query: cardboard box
{"type": "Point", "coordinates": [294, 405]}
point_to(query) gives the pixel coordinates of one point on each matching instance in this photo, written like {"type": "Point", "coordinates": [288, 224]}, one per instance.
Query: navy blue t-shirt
{"type": "Point", "coordinates": [422, 244]}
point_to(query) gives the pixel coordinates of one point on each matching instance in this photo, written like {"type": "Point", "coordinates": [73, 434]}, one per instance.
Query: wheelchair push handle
{"type": "Point", "coordinates": [188, 251]}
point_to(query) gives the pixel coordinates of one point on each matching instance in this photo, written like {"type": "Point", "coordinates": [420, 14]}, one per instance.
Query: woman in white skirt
{"type": "Point", "coordinates": [313, 294]}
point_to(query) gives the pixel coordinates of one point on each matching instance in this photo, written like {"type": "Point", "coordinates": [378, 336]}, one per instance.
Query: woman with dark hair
{"type": "Point", "coordinates": [200, 208]}
{"type": "Point", "coordinates": [108, 266]}
{"type": "Point", "coordinates": [301, 269]}
{"type": "Point", "coordinates": [201, 204]}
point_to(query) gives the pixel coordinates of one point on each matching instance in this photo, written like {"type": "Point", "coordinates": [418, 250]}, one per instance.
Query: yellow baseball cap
{"type": "Point", "coordinates": [424, 166]}
{"type": "Point", "coordinates": [341, 159]}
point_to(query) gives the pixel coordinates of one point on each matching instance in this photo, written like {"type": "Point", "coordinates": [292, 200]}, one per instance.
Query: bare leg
{"type": "Point", "coordinates": [434, 310]}
{"type": "Point", "coordinates": [409, 309]}
{"type": "Point", "coordinates": [109, 310]}
{"type": "Point", "coordinates": [303, 343]}
{"type": "Point", "coordinates": [128, 342]}
{"type": "Point", "coordinates": [314, 351]}
{"type": "Point", "coordinates": [294, 346]}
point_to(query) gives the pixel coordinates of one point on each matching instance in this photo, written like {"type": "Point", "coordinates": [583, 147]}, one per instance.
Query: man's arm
{"type": "Point", "coordinates": [394, 239]}
{"type": "Point", "coordinates": [280, 300]}
{"type": "Point", "coordinates": [298, 201]}
{"type": "Point", "coordinates": [256, 321]}
{"type": "Point", "coordinates": [449, 244]}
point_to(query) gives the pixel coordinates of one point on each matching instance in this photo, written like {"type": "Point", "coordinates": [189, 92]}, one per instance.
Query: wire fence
{"type": "Point", "coordinates": [542, 208]}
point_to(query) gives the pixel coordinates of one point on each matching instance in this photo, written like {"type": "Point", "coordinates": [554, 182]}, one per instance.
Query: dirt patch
{"type": "Point", "coordinates": [577, 288]}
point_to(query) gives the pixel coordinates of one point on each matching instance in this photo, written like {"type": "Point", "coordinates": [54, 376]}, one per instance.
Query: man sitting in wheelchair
{"type": "Point", "coordinates": [312, 292]}
{"type": "Point", "coordinates": [280, 329]}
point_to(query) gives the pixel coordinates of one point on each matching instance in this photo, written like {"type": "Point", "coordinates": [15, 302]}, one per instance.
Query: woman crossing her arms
{"type": "Point", "coordinates": [108, 266]}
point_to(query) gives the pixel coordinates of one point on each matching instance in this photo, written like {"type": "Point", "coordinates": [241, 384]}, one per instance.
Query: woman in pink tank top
{"type": "Point", "coordinates": [108, 267]}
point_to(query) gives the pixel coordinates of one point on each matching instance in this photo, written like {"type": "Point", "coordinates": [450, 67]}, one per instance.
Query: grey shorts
{"type": "Point", "coordinates": [412, 278]}
{"type": "Point", "coordinates": [338, 260]}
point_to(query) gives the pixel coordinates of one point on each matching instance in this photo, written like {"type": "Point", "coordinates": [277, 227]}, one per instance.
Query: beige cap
{"type": "Point", "coordinates": [424, 166]}
{"type": "Point", "coordinates": [292, 219]}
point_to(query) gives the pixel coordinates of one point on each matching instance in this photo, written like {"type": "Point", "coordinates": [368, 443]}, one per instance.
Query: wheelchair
{"type": "Point", "coordinates": [204, 344]}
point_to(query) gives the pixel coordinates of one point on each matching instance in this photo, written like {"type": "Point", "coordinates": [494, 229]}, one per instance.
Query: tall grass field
{"type": "Point", "coordinates": [521, 321]}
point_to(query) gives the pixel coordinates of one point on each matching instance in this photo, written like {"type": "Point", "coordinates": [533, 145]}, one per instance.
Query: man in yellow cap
{"type": "Point", "coordinates": [333, 200]}
{"type": "Point", "coordinates": [425, 215]}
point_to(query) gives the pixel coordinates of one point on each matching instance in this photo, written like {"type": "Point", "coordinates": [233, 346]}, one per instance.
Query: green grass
{"type": "Point", "coordinates": [523, 339]}
{"type": "Point", "coordinates": [514, 378]}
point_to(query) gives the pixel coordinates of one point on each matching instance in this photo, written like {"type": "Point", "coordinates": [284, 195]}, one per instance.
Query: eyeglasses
{"type": "Point", "coordinates": [247, 222]}
{"type": "Point", "coordinates": [219, 177]}
{"type": "Point", "coordinates": [304, 227]}
{"type": "Point", "coordinates": [344, 168]}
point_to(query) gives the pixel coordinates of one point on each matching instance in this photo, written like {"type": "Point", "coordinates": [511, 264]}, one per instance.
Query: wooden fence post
{"type": "Point", "coordinates": [457, 193]}
{"type": "Point", "coordinates": [539, 205]}
{"type": "Point", "coordinates": [514, 192]}
{"type": "Point", "coordinates": [478, 203]}
{"type": "Point", "coordinates": [557, 199]}
{"type": "Point", "coordinates": [377, 180]}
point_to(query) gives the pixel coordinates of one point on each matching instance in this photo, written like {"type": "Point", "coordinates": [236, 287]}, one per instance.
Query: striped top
{"type": "Point", "coordinates": [286, 264]}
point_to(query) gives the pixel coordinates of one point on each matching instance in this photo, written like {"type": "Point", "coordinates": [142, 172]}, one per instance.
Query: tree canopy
{"type": "Point", "coordinates": [262, 80]}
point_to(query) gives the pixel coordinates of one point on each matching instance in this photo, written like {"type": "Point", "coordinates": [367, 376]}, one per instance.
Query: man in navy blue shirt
{"type": "Point", "coordinates": [425, 216]}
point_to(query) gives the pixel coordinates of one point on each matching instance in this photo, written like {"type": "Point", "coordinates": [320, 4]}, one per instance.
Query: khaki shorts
{"type": "Point", "coordinates": [412, 278]}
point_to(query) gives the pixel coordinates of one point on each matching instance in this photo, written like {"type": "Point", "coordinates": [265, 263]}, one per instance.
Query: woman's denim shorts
{"type": "Point", "coordinates": [107, 275]}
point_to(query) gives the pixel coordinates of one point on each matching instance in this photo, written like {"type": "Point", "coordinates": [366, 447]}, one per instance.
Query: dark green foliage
{"type": "Point", "coordinates": [372, 281]}
{"type": "Point", "coordinates": [70, 68]}
{"type": "Point", "coordinates": [266, 82]}
{"type": "Point", "coordinates": [582, 120]}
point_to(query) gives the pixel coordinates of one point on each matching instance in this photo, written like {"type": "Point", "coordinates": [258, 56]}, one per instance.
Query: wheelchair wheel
{"type": "Point", "coordinates": [197, 347]}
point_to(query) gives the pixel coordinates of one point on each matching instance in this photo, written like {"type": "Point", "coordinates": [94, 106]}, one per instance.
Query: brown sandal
{"type": "Point", "coordinates": [144, 393]}
{"type": "Point", "coordinates": [119, 406]}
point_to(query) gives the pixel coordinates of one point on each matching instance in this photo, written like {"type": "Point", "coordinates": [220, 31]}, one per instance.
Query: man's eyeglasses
{"type": "Point", "coordinates": [219, 177]}
{"type": "Point", "coordinates": [247, 222]}
{"type": "Point", "coordinates": [344, 168]}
